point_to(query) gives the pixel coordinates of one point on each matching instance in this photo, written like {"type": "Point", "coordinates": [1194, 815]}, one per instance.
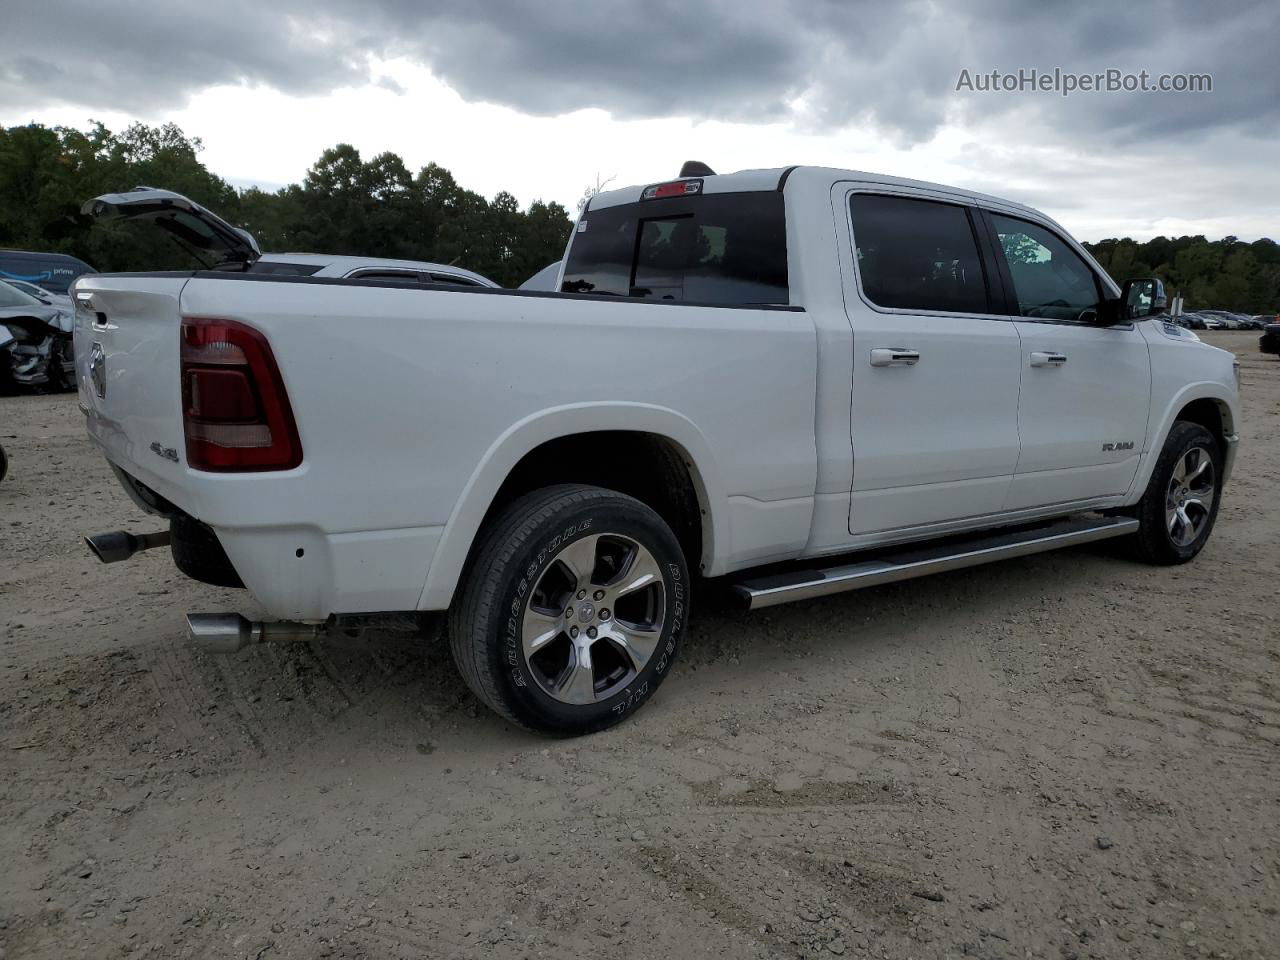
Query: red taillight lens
{"type": "Point", "coordinates": [235, 411]}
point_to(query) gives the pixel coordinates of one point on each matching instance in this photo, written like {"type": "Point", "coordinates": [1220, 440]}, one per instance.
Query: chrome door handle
{"type": "Point", "coordinates": [894, 357]}
{"type": "Point", "coordinates": [1044, 358]}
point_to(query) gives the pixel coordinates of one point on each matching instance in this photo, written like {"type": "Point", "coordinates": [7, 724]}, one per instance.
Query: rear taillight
{"type": "Point", "coordinates": [235, 412]}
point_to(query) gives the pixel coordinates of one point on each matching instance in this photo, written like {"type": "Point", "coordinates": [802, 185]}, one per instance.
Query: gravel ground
{"type": "Point", "coordinates": [1064, 756]}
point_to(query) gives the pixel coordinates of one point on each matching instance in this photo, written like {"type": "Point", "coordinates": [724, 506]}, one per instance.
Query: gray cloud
{"type": "Point", "coordinates": [820, 64]}
{"type": "Point", "coordinates": [153, 54]}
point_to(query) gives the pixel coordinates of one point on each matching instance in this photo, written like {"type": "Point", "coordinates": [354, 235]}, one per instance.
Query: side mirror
{"type": "Point", "coordinates": [1143, 297]}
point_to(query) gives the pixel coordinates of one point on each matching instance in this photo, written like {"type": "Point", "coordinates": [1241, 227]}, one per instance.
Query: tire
{"type": "Point", "coordinates": [1164, 538]}
{"type": "Point", "coordinates": [533, 635]}
{"type": "Point", "coordinates": [4, 463]}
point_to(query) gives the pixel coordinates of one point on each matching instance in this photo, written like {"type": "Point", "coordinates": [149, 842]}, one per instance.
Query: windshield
{"type": "Point", "coordinates": [11, 296]}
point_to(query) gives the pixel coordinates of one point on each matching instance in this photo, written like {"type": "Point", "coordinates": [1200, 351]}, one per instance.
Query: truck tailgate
{"type": "Point", "coordinates": [127, 335]}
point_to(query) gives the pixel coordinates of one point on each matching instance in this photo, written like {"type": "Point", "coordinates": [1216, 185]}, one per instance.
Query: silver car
{"type": "Point", "coordinates": [47, 297]}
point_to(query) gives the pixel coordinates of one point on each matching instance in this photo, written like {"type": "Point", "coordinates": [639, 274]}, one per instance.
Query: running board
{"type": "Point", "coordinates": [772, 589]}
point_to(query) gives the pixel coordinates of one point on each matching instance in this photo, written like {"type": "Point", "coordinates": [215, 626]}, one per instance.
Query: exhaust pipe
{"type": "Point", "coordinates": [117, 545]}
{"type": "Point", "coordinates": [229, 632]}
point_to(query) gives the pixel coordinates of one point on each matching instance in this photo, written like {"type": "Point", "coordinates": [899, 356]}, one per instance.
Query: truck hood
{"type": "Point", "coordinates": [185, 219]}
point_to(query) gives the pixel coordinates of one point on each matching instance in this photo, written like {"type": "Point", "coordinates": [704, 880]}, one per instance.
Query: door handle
{"type": "Point", "coordinates": [1045, 358]}
{"type": "Point", "coordinates": [894, 357]}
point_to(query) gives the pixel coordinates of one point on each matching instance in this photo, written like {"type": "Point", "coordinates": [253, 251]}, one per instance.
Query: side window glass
{"type": "Point", "coordinates": [1049, 278]}
{"type": "Point", "coordinates": [917, 254]}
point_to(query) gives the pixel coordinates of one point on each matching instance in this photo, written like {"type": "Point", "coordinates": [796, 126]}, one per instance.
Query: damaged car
{"type": "Point", "coordinates": [35, 344]}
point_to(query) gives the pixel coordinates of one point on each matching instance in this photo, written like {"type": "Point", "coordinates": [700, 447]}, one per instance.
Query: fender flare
{"type": "Point", "coordinates": [1202, 390]}
{"type": "Point", "coordinates": [525, 435]}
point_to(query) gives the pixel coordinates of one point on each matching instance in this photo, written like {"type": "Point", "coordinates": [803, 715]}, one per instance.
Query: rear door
{"type": "Point", "coordinates": [935, 367]}
{"type": "Point", "coordinates": [1082, 416]}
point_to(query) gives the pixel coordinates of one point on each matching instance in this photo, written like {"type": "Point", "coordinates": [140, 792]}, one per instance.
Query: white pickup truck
{"type": "Point", "coordinates": [803, 380]}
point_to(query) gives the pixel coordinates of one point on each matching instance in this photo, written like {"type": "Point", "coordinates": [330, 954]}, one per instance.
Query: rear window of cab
{"type": "Point", "coordinates": [727, 249]}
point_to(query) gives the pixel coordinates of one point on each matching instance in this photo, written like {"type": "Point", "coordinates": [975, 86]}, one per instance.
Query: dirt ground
{"type": "Point", "coordinates": [1065, 756]}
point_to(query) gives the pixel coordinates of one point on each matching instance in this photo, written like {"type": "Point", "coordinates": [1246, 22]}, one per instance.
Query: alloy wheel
{"type": "Point", "coordinates": [1189, 500]}
{"type": "Point", "coordinates": [594, 618]}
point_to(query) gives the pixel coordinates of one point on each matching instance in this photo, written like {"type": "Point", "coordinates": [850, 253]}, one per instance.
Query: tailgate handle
{"type": "Point", "coordinates": [84, 302]}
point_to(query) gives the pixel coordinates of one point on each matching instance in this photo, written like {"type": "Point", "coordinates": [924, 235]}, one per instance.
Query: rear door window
{"type": "Point", "coordinates": [725, 249]}
{"type": "Point", "coordinates": [918, 255]}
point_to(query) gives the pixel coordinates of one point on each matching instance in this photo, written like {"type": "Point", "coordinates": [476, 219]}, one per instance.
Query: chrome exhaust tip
{"type": "Point", "coordinates": [222, 632]}
{"type": "Point", "coordinates": [117, 545]}
{"type": "Point", "coordinates": [230, 632]}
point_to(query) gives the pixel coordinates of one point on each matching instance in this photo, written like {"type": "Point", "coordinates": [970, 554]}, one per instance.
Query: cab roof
{"type": "Point", "coordinates": [776, 178]}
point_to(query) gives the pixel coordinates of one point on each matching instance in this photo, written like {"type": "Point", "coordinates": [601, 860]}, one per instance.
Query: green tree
{"type": "Point", "coordinates": [1225, 274]}
{"type": "Point", "coordinates": [344, 205]}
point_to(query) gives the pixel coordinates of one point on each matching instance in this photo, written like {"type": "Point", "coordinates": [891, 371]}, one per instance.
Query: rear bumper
{"type": "Point", "coordinates": [1269, 343]}
{"type": "Point", "coordinates": [298, 571]}
{"type": "Point", "coordinates": [301, 573]}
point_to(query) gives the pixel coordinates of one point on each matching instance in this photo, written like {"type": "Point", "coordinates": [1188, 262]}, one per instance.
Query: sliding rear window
{"type": "Point", "coordinates": [727, 249]}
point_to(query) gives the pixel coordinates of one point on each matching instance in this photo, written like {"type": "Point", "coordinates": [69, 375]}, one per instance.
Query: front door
{"type": "Point", "coordinates": [935, 368]}
{"type": "Point", "coordinates": [1082, 417]}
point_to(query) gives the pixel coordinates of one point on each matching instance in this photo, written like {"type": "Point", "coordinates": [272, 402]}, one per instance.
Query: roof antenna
{"type": "Point", "coordinates": [696, 168]}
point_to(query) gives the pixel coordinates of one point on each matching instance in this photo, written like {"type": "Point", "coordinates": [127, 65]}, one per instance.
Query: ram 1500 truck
{"type": "Point", "coordinates": [802, 380]}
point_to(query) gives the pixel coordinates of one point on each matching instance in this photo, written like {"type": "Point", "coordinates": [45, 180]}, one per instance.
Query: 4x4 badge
{"type": "Point", "coordinates": [98, 370]}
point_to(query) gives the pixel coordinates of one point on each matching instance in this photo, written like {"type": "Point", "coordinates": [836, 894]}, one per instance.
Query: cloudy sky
{"type": "Point", "coordinates": [540, 98]}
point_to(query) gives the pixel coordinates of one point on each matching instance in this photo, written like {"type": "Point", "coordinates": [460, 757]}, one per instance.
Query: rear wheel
{"type": "Point", "coordinates": [573, 609]}
{"type": "Point", "coordinates": [1178, 510]}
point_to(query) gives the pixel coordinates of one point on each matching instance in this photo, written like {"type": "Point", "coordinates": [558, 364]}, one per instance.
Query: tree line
{"type": "Point", "coordinates": [379, 208]}
{"type": "Point", "coordinates": [344, 205]}
{"type": "Point", "coordinates": [1226, 274]}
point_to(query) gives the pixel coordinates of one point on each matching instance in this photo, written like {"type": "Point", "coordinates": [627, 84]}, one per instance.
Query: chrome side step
{"type": "Point", "coordinates": [919, 561]}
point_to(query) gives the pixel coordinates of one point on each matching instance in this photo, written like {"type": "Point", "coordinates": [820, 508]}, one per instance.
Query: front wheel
{"type": "Point", "coordinates": [1180, 506]}
{"type": "Point", "coordinates": [572, 610]}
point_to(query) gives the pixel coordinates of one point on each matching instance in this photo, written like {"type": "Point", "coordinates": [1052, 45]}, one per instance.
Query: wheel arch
{"type": "Point", "coordinates": [1208, 404]}
{"type": "Point", "coordinates": [587, 443]}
